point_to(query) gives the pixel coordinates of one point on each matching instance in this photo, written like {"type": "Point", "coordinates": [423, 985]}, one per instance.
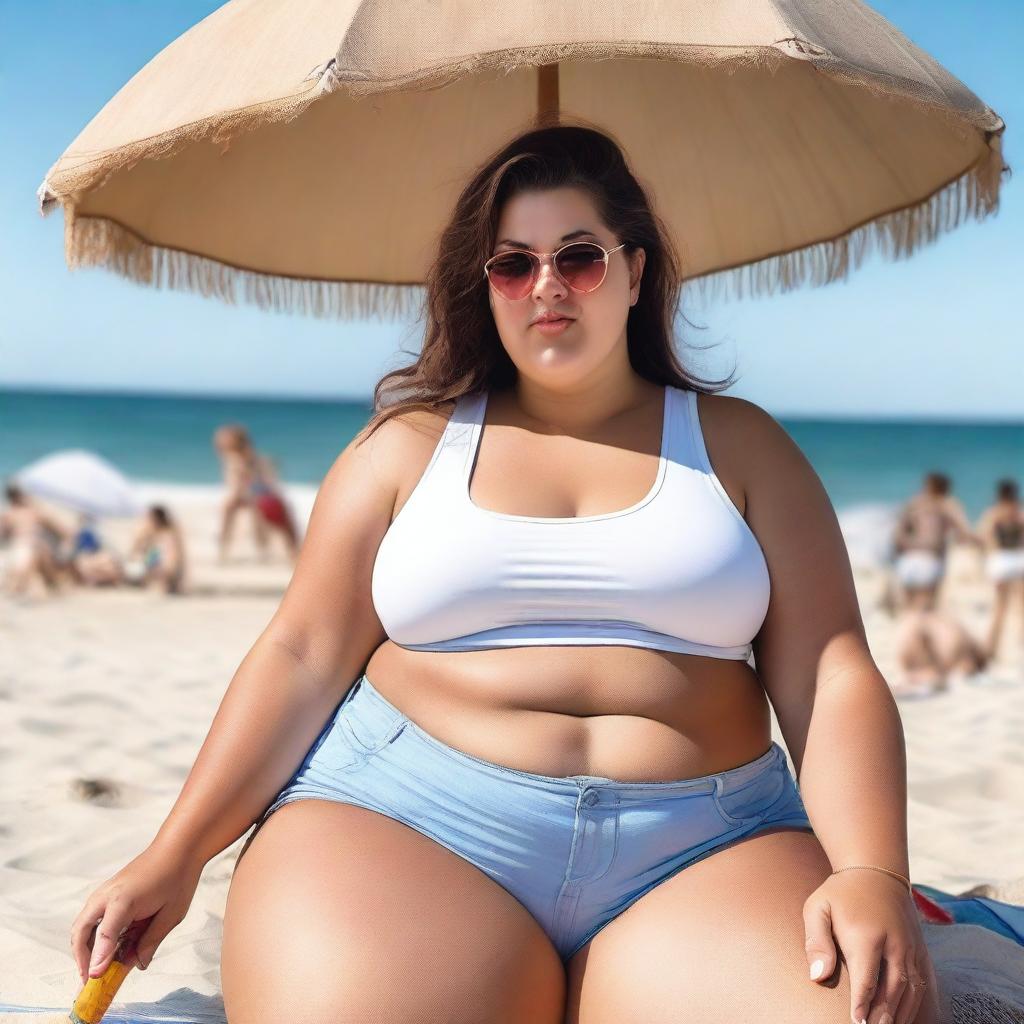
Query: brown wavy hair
{"type": "Point", "coordinates": [462, 350]}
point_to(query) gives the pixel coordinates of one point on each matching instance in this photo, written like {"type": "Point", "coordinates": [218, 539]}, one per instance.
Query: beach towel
{"type": "Point", "coordinates": [1004, 919]}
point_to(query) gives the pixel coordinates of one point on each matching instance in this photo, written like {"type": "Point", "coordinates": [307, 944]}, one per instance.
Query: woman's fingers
{"type": "Point", "coordinates": [81, 931]}
{"type": "Point", "coordinates": [116, 918]}
{"type": "Point", "coordinates": [893, 986]}
{"type": "Point", "coordinates": [917, 989]}
{"type": "Point", "coordinates": [922, 976]}
{"type": "Point", "coordinates": [818, 945]}
{"type": "Point", "coordinates": [864, 961]}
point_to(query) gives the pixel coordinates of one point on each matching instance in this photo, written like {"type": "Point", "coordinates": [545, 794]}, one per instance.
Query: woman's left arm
{"type": "Point", "coordinates": [841, 726]}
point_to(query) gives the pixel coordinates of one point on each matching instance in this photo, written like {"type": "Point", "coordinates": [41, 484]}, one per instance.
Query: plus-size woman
{"type": "Point", "coordinates": [507, 738]}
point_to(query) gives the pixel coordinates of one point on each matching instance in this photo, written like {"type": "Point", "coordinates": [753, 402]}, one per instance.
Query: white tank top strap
{"type": "Point", "coordinates": [449, 465]}
{"type": "Point", "coordinates": [472, 415]}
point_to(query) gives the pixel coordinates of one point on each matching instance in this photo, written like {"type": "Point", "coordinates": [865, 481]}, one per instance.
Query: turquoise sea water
{"type": "Point", "coordinates": [167, 439]}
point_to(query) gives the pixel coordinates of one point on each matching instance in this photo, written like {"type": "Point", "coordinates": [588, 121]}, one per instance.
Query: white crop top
{"type": "Point", "coordinates": [678, 571]}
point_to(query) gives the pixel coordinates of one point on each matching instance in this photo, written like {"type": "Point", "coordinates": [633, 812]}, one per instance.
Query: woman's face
{"type": "Point", "coordinates": [541, 221]}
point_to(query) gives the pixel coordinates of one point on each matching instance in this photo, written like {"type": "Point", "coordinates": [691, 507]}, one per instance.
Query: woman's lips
{"type": "Point", "coordinates": [553, 326]}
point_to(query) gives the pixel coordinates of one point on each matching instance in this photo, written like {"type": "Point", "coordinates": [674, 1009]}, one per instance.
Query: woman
{"type": "Point", "coordinates": [162, 548]}
{"type": "Point", "coordinates": [925, 525]}
{"type": "Point", "coordinates": [1001, 529]}
{"type": "Point", "coordinates": [251, 483]}
{"type": "Point", "coordinates": [28, 529]}
{"type": "Point", "coordinates": [558, 798]}
{"type": "Point", "coordinates": [932, 650]}
{"type": "Point", "coordinates": [91, 562]}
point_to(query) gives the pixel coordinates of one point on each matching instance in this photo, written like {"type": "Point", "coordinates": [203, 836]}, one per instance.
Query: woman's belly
{"type": "Point", "coordinates": [623, 713]}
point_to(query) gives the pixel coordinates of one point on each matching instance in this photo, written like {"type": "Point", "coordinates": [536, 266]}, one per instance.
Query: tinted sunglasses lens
{"type": "Point", "coordinates": [511, 274]}
{"type": "Point", "coordinates": [581, 266]}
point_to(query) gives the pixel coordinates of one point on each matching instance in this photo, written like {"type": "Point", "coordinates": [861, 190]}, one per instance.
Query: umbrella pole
{"type": "Point", "coordinates": [547, 93]}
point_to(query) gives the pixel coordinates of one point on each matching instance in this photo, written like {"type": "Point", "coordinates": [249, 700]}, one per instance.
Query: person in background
{"type": "Point", "coordinates": [90, 561]}
{"type": "Point", "coordinates": [933, 650]}
{"type": "Point", "coordinates": [236, 473]}
{"type": "Point", "coordinates": [160, 544]}
{"type": "Point", "coordinates": [921, 538]}
{"type": "Point", "coordinates": [251, 482]}
{"type": "Point", "coordinates": [1001, 528]}
{"type": "Point", "coordinates": [31, 556]}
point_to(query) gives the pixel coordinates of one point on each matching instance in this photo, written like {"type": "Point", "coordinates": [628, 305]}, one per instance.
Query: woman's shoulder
{"type": "Point", "coordinates": [740, 428]}
{"type": "Point", "coordinates": [400, 444]}
{"type": "Point", "coordinates": [429, 418]}
{"type": "Point", "coordinates": [411, 427]}
{"type": "Point", "coordinates": [753, 452]}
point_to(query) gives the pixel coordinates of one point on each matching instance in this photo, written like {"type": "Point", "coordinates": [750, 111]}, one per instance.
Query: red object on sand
{"type": "Point", "coordinates": [931, 911]}
{"type": "Point", "coordinates": [272, 509]}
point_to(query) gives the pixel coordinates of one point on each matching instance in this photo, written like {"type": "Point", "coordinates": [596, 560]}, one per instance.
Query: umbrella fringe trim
{"type": "Point", "coordinates": [896, 235]}
{"type": "Point", "coordinates": [99, 242]}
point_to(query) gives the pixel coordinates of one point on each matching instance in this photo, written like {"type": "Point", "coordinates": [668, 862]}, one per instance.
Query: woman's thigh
{"type": "Point", "coordinates": [721, 941]}
{"type": "Point", "coordinates": [338, 913]}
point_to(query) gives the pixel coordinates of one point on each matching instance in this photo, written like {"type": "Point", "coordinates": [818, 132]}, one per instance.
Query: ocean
{"type": "Point", "coordinates": [167, 439]}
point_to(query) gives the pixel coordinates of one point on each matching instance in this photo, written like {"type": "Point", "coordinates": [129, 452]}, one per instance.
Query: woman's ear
{"type": "Point", "coordinates": [636, 270]}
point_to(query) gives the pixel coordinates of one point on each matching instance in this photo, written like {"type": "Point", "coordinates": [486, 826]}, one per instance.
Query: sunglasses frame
{"type": "Point", "coordinates": [538, 259]}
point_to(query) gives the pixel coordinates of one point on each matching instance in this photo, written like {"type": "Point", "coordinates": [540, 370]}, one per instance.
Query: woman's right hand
{"type": "Point", "coordinates": [157, 885]}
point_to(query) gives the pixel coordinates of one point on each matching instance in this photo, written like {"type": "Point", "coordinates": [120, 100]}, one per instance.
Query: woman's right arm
{"type": "Point", "coordinates": [903, 529]}
{"type": "Point", "coordinates": [278, 701]}
{"type": "Point", "coordinates": [960, 524]}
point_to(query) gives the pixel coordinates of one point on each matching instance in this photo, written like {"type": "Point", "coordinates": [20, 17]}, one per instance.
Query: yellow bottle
{"type": "Point", "coordinates": [98, 993]}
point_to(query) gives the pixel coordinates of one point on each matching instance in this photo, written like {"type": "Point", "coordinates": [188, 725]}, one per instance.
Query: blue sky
{"type": "Point", "coordinates": [937, 336]}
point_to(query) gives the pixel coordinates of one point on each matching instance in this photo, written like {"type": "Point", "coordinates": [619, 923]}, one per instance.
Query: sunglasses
{"type": "Point", "coordinates": [581, 266]}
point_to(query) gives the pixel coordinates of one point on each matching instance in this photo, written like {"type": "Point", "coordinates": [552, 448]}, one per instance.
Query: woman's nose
{"type": "Point", "coordinates": [548, 282]}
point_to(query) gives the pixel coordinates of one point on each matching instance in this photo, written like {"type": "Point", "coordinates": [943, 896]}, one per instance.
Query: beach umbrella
{"type": "Point", "coordinates": [305, 155]}
{"type": "Point", "coordinates": [82, 481]}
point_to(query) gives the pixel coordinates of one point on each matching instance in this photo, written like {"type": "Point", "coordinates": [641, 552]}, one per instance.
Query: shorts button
{"type": "Point", "coordinates": [591, 798]}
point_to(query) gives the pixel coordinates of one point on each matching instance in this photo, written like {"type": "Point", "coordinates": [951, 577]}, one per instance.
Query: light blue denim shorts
{"type": "Point", "coordinates": [575, 851]}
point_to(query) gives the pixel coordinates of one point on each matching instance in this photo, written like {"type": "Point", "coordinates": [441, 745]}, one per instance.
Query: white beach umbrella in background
{"type": "Point", "coordinates": [869, 531]}
{"type": "Point", "coordinates": [80, 480]}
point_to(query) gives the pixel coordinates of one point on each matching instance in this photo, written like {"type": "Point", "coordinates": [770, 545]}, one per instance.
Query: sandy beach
{"type": "Point", "coordinates": [121, 686]}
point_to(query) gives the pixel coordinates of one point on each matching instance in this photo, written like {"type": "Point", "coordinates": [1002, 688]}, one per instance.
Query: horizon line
{"type": "Point", "coordinates": [968, 419]}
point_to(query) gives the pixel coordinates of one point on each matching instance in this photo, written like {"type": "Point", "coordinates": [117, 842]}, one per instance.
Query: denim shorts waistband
{"type": "Point", "coordinates": [381, 714]}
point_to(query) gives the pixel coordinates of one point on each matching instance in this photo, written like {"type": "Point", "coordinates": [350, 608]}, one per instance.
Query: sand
{"type": "Point", "coordinates": [121, 686]}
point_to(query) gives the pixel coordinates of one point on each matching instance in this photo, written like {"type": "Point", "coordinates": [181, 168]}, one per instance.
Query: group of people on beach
{"type": "Point", "coordinates": [933, 647]}
{"type": "Point", "coordinates": [44, 548]}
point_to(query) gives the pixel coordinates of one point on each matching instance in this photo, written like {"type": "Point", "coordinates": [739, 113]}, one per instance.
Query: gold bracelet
{"type": "Point", "coordinates": [895, 874]}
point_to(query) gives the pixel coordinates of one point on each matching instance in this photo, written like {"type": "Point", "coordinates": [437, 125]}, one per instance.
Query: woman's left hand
{"type": "Point", "coordinates": [873, 919]}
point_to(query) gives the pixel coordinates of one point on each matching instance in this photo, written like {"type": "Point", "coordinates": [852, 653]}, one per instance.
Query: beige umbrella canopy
{"type": "Point", "coordinates": [306, 155]}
